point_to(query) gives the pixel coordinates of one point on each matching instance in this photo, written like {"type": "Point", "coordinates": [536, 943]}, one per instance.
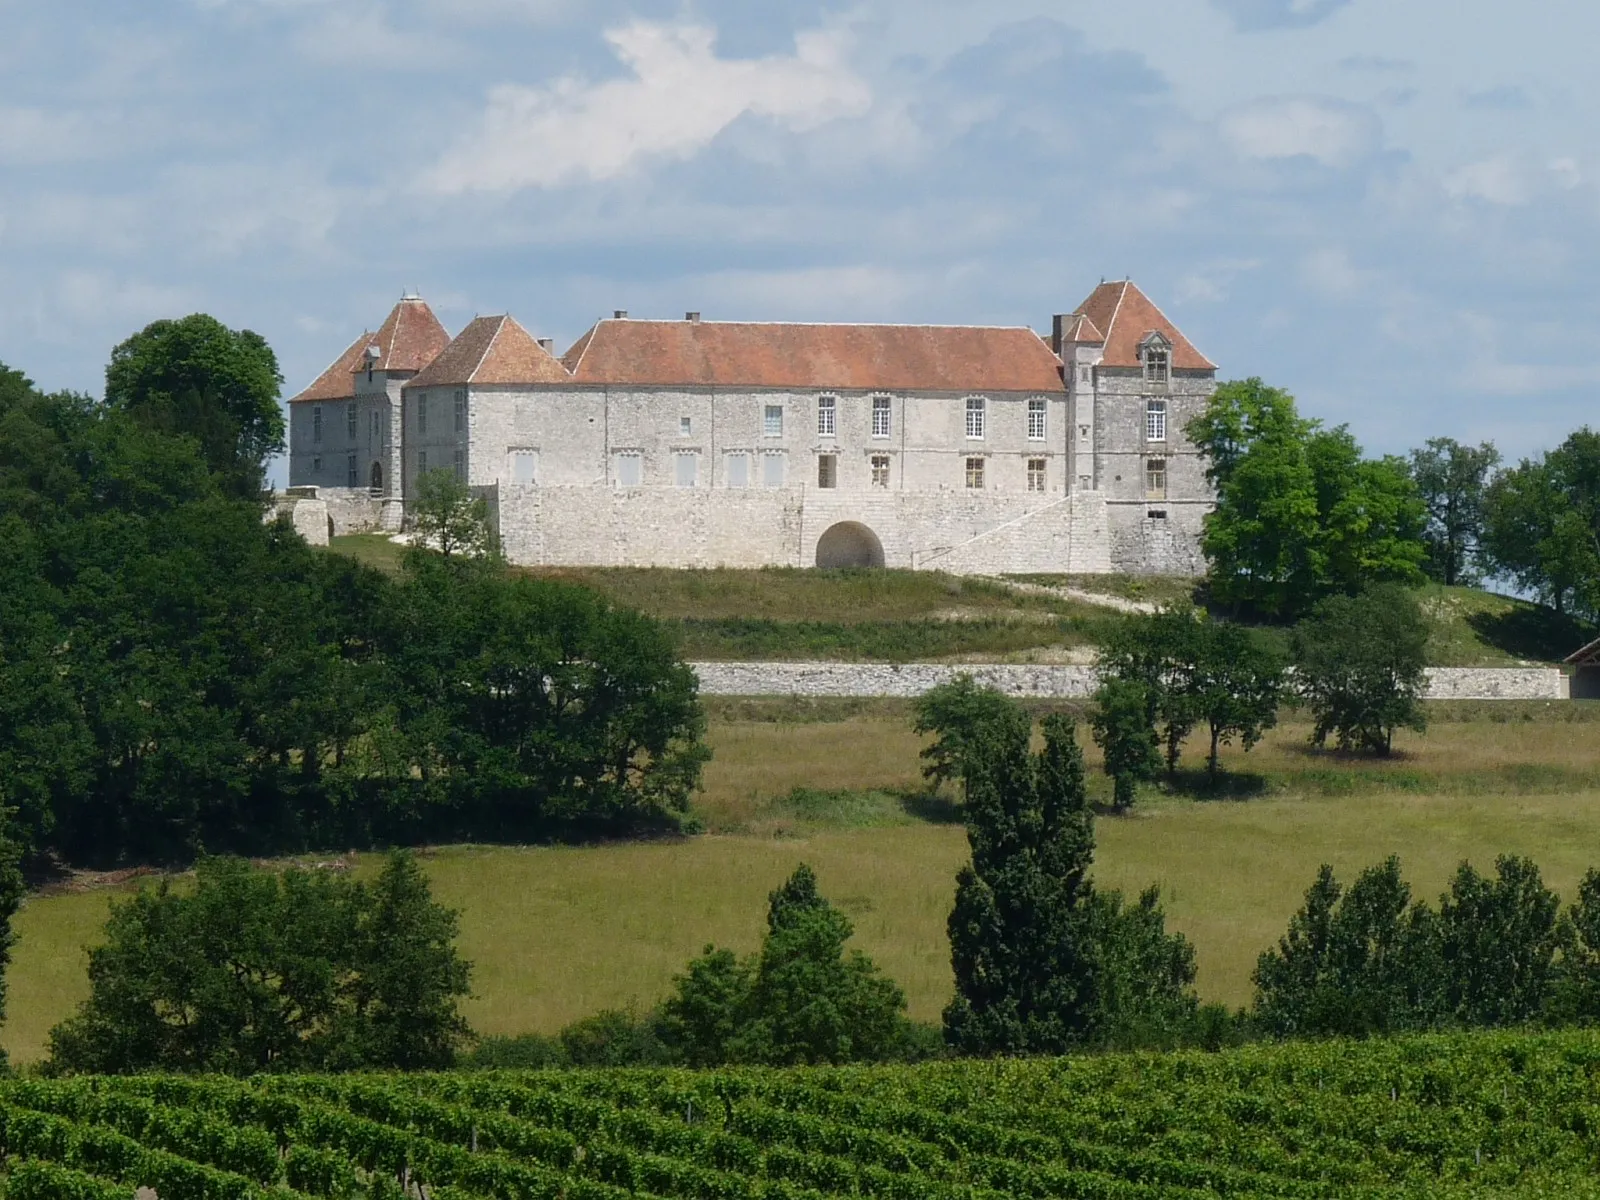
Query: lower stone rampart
{"type": "Point", "coordinates": [1055, 682]}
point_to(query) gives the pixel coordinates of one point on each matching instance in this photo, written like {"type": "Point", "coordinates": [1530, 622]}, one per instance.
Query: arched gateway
{"type": "Point", "coordinates": [849, 544]}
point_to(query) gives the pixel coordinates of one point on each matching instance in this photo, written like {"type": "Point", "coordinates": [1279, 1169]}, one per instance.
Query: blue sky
{"type": "Point", "coordinates": [1392, 214]}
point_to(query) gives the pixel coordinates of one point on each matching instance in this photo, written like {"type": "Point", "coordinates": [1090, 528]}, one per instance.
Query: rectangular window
{"type": "Point", "coordinates": [629, 469]}
{"type": "Point", "coordinates": [350, 420]}
{"type": "Point", "coordinates": [374, 424]}
{"type": "Point", "coordinates": [316, 465]}
{"type": "Point", "coordinates": [460, 464]}
{"type": "Point", "coordinates": [686, 468]}
{"type": "Point", "coordinates": [1036, 420]}
{"type": "Point", "coordinates": [880, 470]}
{"type": "Point", "coordinates": [975, 414]}
{"type": "Point", "coordinates": [1036, 475]}
{"type": "Point", "coordinates": [1155, 479]}
{"type": "Point", "coordinates": [738, 470]}
{"type": "Point", "coordinates": [827, 412]}
{"type": "Point", "coordinates": [882, 416]}
{"type": "Point", "coordinates": [1157, 361]}
{"type": "Point", "coordinates": [772, 421]}
{"type": "Point", "coordinates": [827, 470]}
{"type": "Point", "coordinates": [974, 472]}
{"type": "Point", "coordinates": [461, 410]}
{"type": "Point", "coordinates": [422, 412]}
{"type": "Point", "coordinates": [351, 477]}
{"type": "Point", "coordinates": [772, 470]}
{"type": "Point", "coordinates": [422, 462]}
{"type": "Point", "coordinates": [685, 426]}
{"type": "Point", "coordinates": [524, 467]}
{"type": "Point", "coordinates": [1155, 420]}
{"type": "Point", "coordinates": [316, 422]}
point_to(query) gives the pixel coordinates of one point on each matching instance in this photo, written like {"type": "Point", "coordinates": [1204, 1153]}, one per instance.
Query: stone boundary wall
{"type": "Point", "coordinates": [1056, 682]}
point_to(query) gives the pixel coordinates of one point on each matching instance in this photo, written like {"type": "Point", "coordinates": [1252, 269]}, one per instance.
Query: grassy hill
{"type": "Point", "coordinates": [1507, 1115]}
{"type": "Point", "coordinates": [926, 616]}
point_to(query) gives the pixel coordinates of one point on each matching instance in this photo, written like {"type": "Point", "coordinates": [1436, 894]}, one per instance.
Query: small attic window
{"type": "Point", "coordinates": [1156, 354]}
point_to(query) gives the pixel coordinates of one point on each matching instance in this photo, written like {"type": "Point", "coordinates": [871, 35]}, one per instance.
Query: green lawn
{"type": "Point", "coordinates": [559, 932]}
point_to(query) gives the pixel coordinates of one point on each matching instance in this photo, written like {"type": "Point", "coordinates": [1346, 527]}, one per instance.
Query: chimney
{"type": "Point", "coordinates": [1058, 330]}
{"type": "Point", "coordinates": [692, 317]}
{"type": "Point", "coordinates": [620, 314]}
{"type": "Point", "coordinates": [548, 345]}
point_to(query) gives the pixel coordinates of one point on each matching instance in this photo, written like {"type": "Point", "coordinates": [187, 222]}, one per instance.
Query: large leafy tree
{"type": "Point", "coordinates": [196, 377]}
{"type": "Point", "coordinates": [1360, 667]}
{"type": "Point", "coordinates": [1453, 482]}
{"type": "Point", "coordinates": [1300, 513]}
{"type": "Point", "coordinates": [1542, 524]}
{"type": "Point", "coordinates": [251, 971]}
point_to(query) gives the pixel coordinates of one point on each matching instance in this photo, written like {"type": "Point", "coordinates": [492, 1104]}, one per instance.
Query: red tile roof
{"type": "Point", "coordinates": [337, 382]}
{"type": "Point", "coordinates": [865, 357]}
{"type": "Point", "coordinates": [1128, 317]}
{"type": "Point", "coordinates": [409, 339]}
{"type": "Point", "coordinates": [492, 350]}
{"type": "Point", "coordinates": [1082, 330]}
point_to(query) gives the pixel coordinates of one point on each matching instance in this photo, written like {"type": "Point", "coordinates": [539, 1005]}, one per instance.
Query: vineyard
{"type": "Point", "coordinates": [1501, 1115]}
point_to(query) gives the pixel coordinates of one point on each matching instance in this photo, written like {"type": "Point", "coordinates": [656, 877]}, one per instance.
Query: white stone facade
{"type": "Point", "coordinates": [1082, 469]}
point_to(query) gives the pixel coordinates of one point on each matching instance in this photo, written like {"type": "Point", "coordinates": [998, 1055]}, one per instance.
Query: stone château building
{"type": "Point", "coordinates": [709, 443]}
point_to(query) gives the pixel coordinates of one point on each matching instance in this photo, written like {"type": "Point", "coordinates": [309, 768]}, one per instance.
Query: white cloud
{"type": "Point", "coordinates": [1496, 180]}
{"type": "Point", "coordinates": [680, 96]}
{"type": "Point", "coordinates": [1330, 272]}
{"type": "Point", "coordinates": [1332, 132]}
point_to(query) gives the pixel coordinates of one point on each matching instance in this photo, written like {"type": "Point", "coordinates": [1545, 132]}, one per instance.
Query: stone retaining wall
{"type": "Point", "coordinates": [912, 679]}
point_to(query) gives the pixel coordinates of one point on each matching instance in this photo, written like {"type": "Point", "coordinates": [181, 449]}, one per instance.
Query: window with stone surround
{"type": "Point", "coordinates": [422, 462]}
{"type": "Point", "coordinates": [628, 468]}
{"type": "Point", "coordinates": [1036, 475]}
{"type": "Point", "coordinates": [827, 470]}
{"type": "Point", "coordinates": [772, 421]}
{"type": "Point", "coordinates": [882, 416]}
{"type": "Point", "coordinates": [880, 470]}
{"type": "Point", "coordinates": [1157, 363]}
{"type": "Point", "coordinates": [1036, 412]}
{"type": "Point", "coordinates": [977, 410]}
{"type": "Point", "coordinates": [772, 469]}
{"type": "Point", "coordinates": [524, 467]}
{"type": "Point", "coordinates": [350, 420]}
{"type": "Point", "coordinates": [316, 422]}
{"type": "Point", "coordinates": [461, 410]}
{"type": "Point", "coordinates": [1155, 479]}
{"type": "Point", "coordinates": [422, 412]}
{"type": "Point", "coordinates": [459, 461]}
{"type": "Point", "coordinates": [685, 426]}
{"type": "Point", "coordinates": [352, 474]}
{"type": "Point", "coordinates": [1155, 420]}
{"type": "Point", "coordinates": [686, 468]}
{"type": "Point", "coordinates": [827, 416]}
{"type": "Point", "coordinates": [373, 426]}
{"type": "Point", "coordinates": [738, 469]}
{"type": "Point", "coordinates": [975, 473]}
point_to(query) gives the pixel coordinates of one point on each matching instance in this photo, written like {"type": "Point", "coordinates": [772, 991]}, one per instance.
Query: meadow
{"type": "Point", "coordinates": [559, 932]}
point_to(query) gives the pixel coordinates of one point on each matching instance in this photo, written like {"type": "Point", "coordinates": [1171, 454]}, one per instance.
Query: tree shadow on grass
{"type": "Point", "coordinates": [936, 808]}
{"type": "Point", "coordinates": [1531, 632]}
{"type": "Point", "coordinates": [1198, 784]}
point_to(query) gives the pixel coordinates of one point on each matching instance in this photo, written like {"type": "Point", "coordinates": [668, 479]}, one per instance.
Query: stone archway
{"type": "Point", "coordinates": [849, 544]}
{"type": "Point", "coordinates": [377, 477]}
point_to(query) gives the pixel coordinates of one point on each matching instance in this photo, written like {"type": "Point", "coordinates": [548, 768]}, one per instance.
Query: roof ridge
{"type": "Point", "coordinates": [808, 324]}
{"type": "Point", "coordinates": [487, 346]}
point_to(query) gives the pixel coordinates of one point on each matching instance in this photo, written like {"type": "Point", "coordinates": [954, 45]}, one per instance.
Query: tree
{"type": "Point", "coordinates": [1144, 975]}
{"type": "Point", "coordinates": [1360, 667]}
{"type": "Point", "coordinates": [448, 518]}
{"type": "Point", "coordinates": [197, 378]}
{"type": "Point", "coordinates": [1497, 941]}
{"type": "Point", "coordinates": [1126, 736]}
{"type": "Point", "coordinates": [12, 891]}
{"type": "Point", "coordinates": [1576, 991]}
{"type": "Point", "coordinates": [961, 716]}
{"type": "Point", "coordinates": [1234, 685]}
{"type": "Point", "coordinates": [802, 999]}
{"type": "Point", "coordinates": [1300, 514]}
{"type": "Point", "coordinates": [1352, 963]}
{"type": "Point", "coordinates": [1156, 651]}
{"type": "Point", "coordinates": [1453, 482]}
{"type": "Point", "coordinates": [253, 971]}
{"type": "Point", "coordinates": [1542, 524]}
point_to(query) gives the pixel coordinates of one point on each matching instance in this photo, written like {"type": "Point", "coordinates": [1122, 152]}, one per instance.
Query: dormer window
{"type": "Point", "coordinates": [1156, 354]}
